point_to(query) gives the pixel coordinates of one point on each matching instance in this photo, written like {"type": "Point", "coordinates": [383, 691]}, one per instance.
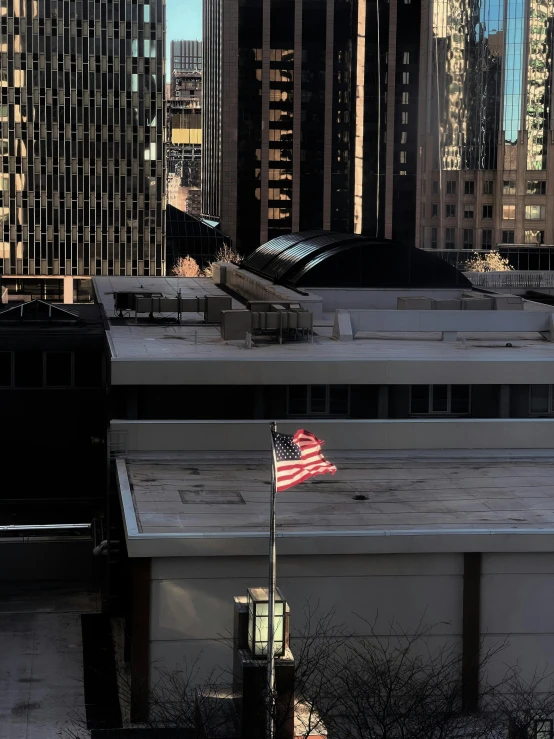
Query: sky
{"type": "Point", "coordinates": [184, 21]}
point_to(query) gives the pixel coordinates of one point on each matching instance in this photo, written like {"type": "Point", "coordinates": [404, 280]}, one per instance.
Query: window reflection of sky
{"type": "Point", "coordinates": [513, 74]}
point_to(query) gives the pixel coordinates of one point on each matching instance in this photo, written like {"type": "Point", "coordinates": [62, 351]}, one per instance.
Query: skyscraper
{"type": "Point", "coordinates": [277, 117]}
{"type": "Point", "coordinates": [81, 137]}
{"type": "Point", "coordinates": [486, 174]}
{"type": "Point", "coordinates": [385, 141]}
{"type": "Point", "coordinates": [185, 56]}
{"type": "Point", "coordinates": [311, 110]}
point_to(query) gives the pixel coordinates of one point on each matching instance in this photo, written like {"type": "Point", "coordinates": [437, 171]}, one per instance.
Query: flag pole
{"type": "Point", "coordinates": [271, 599]}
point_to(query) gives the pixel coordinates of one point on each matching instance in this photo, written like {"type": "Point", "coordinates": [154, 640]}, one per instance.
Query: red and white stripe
{"type": "Point", "coordinates": [294, 471]}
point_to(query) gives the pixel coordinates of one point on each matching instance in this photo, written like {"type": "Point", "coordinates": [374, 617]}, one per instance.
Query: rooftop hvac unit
{"type": "Point", "coordinates": [128, 300]}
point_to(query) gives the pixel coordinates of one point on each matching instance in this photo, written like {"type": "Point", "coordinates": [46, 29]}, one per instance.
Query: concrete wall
{"type": "Point", "coordinates": [191, 606]}
{"type": "Point", "coordinates": [349, 435]}
{"type": "Point", "coordinates": [382, 298]}
{"type": "Point", "coordinates": [192, 598]}
{"type": "Point", "coordinates": [517, 604]}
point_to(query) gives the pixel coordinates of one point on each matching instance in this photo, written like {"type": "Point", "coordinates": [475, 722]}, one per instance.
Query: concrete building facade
{"type": "Point", "coordinates": [81, 138]}
{"type": "Point", "coordinates": [446, 441]}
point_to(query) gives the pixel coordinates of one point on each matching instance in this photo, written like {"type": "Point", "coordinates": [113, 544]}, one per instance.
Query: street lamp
{"type": "Point", "coordinates": [258, 626]}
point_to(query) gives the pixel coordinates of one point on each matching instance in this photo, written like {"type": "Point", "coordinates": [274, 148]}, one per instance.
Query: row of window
{"type": "Point", "coordinates": [534, 187]}
{"type": "Point", "coordinates": [532, 212]}
{"type": "Point", "coordinates": [63, 369]}
{"type": "Point", "coordinates": [470, 238]}
{"type": "Point", "coordinates": [425, 400]}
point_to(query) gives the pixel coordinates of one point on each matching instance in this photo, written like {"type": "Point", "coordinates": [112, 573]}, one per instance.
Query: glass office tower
{"type": "Point", "coordinates": [81, 137]}
{"type": "Point", "coordinates": [486, 169]}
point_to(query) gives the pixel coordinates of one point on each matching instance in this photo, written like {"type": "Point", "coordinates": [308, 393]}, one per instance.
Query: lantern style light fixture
{"type": "Point", "coordinates": [258, 622]}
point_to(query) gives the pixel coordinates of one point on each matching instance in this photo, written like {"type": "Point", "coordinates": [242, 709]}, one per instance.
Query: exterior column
{"type": "Point", "coordinates": [471, 631]}
{"type": "Point", "coordinates": [383, 401]}
{"type": "Point", "coordinates": [140, 637]}
{"type": "Point", "coordinates": [68, 290]}
{"type": "Point", "coordinates": [504, 409]}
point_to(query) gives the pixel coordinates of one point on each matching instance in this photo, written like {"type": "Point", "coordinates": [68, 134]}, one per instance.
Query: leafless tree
{"type": "Point", "coordinates": [372, 685]}
{"type": "Point", "coordinates": [523, 708]}
{"type": "Point", "coordinates": [400, 685]}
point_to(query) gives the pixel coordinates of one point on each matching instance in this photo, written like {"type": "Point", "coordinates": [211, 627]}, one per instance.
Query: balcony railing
{"type": "Point", "coordinates": [522, 280]}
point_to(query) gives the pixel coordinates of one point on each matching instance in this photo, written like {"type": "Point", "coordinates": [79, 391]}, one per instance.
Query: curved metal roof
{"type": "Point", "coordinates": [331, 259]}
{"type": "Point", "coordinates": [259, 260]}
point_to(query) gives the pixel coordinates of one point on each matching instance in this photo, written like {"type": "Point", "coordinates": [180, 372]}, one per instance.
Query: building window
{"type": "Point", "coordinates": [403, 172]}
{"type": "Point", "coordinates": [451, 187]}
{"type": "Point", "coordinates": [405, 98]}
{"type": "Point", "coordinates": [318, 400]}
{"type": "Point", "coordinates": [405, 78]}
{"type": "Point", "coordinates": [533, 237]}
{"type": "Point", "coordinates": [508, 212]}
{"type": "Point", "coordinates": [58, 369]}
{"type": "Point", "coordinates": [450, 211]}
{"type": "Point", "coordinates": [534, 212]}
{"type": "Point", "coordinates": [468, 212]}
{"type": "Point", "coordinates": [469, 187]}
{"type": "Point", "coordinates": [488, 187]}
{"type": "Point", "coordinates": [468, 238]}
{"type": "Point", "coordinates": [435, 187]}
{"type": "Point", "coordinates": [508, 237]}
{"type": "Point", "coordinates": [406, 57]}
{"type": "Point", "coordinates": [487, 211]}
{"type": "Point", "coordinates": [402, 157]}
{"type": "Point", "coordinates": [450, 238]}
{"type": "Point", "coordinates": [434, 210]}
{"type": "Point", "coordinates": [536, 187]}
{"type": "Point", "coordinates": [543, 729]}
{"type": "Point", "coordinates": [28, 369]}
{"type": "Point", "coordinates": [540, 400]}
{"type": "Point", "coordinates": [5, 369]}
{"type": "Point", "coordinates": [434, 239]}
{"type": "Point", "coordinates": [486, 238]}
{"type": "Point", "coordinates": [404, 117]}
{"type": "Point", "coordinates": [440, 400]}
{"type": "Point", "coordinates": [509, 187]}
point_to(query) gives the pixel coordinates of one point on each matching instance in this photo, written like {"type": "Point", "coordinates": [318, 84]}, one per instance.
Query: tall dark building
{"type": "Point", "coordinates": [81, 137]}
{"type": "Point", "coordinates": [185, 56]}
{"type": "Point", "coordinates": [278, 116]}
{"type": "Point", "coordinates": [314, 121]}
{"type": "Point", "coordinates": [386, 118]}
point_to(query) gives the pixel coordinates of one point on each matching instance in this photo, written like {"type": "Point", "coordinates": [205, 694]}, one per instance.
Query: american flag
{"type": "Point", "coordinates": [297, 458]}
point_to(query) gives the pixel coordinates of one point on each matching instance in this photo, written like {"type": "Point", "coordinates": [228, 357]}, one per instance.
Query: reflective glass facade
{"type": "Point", "coordinates": [487, 117]}
{"type": "Point", "coordinates": [81, 137]}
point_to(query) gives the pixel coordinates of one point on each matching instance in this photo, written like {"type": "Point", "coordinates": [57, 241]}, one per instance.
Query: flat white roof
{"type": "Point", "coordinates": [195, 504]}
{"type": "Point", "coordinates": [194, 353]}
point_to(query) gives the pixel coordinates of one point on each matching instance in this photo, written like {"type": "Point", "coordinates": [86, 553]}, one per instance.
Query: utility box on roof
{"type": "Point", "coordinates": [451, 304]}
{"type": "Point", "coordinates": [483, 303]}
{"type": "Point", "coordinates": [214, 305]}
{"type": "Point", "coordinates": [415, 303]}
{"type": "Point", "coordinates": [235, 324]}
{"type": "Point", "coordinates": [508, 302]}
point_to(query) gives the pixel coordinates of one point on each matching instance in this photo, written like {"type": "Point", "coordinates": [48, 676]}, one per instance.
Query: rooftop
{"type": "Point", "coordinates": [214, 503]}
{"type": "Point", "coordinates": [161, 351]}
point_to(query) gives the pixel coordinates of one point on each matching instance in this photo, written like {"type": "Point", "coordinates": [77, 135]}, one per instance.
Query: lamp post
{"type": "Point", "coordinates": [258, 622]}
